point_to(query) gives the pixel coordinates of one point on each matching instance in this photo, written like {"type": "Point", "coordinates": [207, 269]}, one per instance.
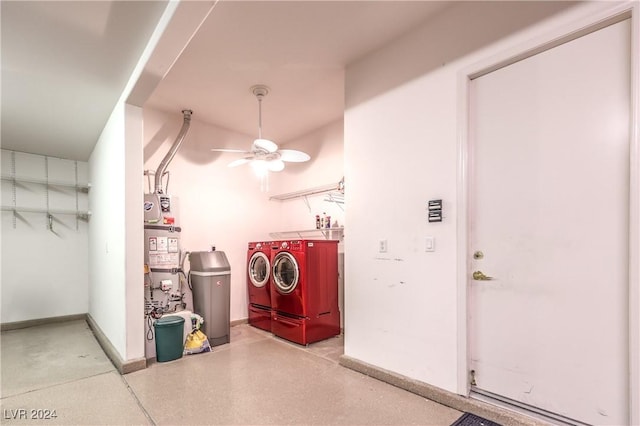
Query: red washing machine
{"type": "Point", "coordinates": [259, 284]}
{"type": "Point", "coordinates": [304, 290]}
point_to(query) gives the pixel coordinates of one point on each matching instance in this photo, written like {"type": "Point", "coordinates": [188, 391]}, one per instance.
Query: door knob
{"type": "Point", "coordinates": [480, 276]}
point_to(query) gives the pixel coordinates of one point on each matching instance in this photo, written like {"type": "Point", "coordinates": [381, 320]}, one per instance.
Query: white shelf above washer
{"type": "Point", "coordinates": [305, 234]}
{"type": "Point", "coordinates": [306, 192]}
{"type": "Point", "coordinates": [334, 193]}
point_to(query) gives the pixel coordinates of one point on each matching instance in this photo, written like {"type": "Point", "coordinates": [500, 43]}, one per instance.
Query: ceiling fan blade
{"type": "Point", "coordinates": [293, 156]}
{"type": "Point", "coordinates": [229, 150]}
{"type": "Point", "coordinates": [275, 165]}
{"type": "Point", "coordinates": [238, 162]}
{"type": "Point", "coordinates": [266, 145]}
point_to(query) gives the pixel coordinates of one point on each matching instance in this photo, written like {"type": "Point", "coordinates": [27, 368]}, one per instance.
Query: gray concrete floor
{"type": "Point", "coordinates": [256, 379]}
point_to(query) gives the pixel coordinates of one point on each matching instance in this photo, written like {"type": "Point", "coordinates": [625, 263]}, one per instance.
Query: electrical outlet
{"type": "Point", "coordinates": [382, 246]}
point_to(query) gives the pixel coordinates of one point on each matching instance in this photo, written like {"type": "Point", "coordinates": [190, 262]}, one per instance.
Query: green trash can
{"type": "Point", "coordinates": [169, 338]}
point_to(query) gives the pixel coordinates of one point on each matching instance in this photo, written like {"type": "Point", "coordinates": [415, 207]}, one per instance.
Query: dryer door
{"type": "Point", "coordinates": [259, 269]}
{"type": "Point", "coordinates": [285, 272]}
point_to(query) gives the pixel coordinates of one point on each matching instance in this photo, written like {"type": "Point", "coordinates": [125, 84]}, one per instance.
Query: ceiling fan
{"type": "Point", "coordinates": [264, 154]}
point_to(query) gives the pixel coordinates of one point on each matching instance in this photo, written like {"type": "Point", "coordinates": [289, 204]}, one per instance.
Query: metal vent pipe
{"type": "Point", "coordinates": [172, 151]}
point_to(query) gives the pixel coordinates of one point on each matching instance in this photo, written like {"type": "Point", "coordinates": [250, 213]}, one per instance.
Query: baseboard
{"type": "Point", "coordinates": [122, 366]}
{"type": "Point", "coordinates": [441, 396]}
{"type": "Point", "coordinates": [239, 322]}
{"type": "Point", "coordinates": [7, 326]}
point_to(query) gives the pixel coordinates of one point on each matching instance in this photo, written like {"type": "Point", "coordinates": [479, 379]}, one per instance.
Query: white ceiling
{"type": "Point", "coordinates": [64, 65]}
{"type": "Point", "coordinates": [298, 49]}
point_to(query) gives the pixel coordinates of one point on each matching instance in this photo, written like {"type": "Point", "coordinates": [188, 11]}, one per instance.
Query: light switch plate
{"type": "Point", "coordinates": [429, 244]}
{"type": "Point", "coordinates": [382, 246]}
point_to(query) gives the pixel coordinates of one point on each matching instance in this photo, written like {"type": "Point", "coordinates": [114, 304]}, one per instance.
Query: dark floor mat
{"type": "Point", "coordinates": [468, 419]}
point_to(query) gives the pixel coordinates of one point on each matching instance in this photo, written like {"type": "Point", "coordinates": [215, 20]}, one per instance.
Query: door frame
{"type": "Point", "coordinates": [601, 16]}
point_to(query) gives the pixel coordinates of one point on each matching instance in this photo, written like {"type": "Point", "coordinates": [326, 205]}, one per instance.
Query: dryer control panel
{"type": "Point", "coordinates": [290, 245]}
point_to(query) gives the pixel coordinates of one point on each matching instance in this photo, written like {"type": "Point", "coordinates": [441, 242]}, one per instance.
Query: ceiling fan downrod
{"type": "Point", "coordinates": [260, 91]}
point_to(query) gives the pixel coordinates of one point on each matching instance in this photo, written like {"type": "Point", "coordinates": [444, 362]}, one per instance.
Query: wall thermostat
{"type": "Point", "coordinates": [434, 209]}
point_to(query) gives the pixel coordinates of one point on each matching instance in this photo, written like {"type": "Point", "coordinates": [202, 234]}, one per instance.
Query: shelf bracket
{"type": "Point", "coordinates": [333, 199]}
{"type": "Point", "coordinates": [13, 185]}
{"type": "Point", "coordinates": [306, 202]}
{"type": "Point", "coordinates": [75, 163]}
{"type": "Point", "coordinates": [46, 191]}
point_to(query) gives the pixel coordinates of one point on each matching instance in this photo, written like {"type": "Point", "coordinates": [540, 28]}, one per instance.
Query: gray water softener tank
{"type": "Point", "coordinates": [211, 282]}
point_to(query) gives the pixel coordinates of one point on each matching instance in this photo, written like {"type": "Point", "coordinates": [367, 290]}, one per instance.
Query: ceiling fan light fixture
{"type": "Point", "coordinates": [264, 156]}
{"type": "Point", "coordinates": [275, 165]}
{"type": "Point", "coordinates": [260, 168]}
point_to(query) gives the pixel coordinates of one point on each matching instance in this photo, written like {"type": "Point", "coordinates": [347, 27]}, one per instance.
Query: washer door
{"type": "Point", "coordinates": [259, 269]}
{"type": "Point", "coordinates": [285, 272]}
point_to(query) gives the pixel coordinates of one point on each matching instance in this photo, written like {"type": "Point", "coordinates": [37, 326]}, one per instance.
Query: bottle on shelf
{"type": "Point", "coordinates": [334, 235]}
{"type": "Point", "coordinates": [317, 221]}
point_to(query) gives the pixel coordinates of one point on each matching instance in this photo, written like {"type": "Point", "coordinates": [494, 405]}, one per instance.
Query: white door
{"type": "Point", "coordinates": [549, 203]}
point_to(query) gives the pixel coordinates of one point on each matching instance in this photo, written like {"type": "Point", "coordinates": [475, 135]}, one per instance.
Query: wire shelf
{"type": "Point", "coordinates": [323, 233]}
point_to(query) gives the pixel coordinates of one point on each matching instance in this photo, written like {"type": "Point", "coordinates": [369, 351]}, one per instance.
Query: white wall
{"type": "Point", "coordinates": [44, 272]}
{"type": "Point", "coordinates": [134, 232]}
{"type": "Point", "coordinates": [107, 250]}
{"type": "Point", "coordinates": [401, 128]}
{"type": "Point", "coordinates": [326, 148]}
{"type": "Point", "coordinates": [225, 206]}
{"type": "Point", "coordinates": [116, 301]}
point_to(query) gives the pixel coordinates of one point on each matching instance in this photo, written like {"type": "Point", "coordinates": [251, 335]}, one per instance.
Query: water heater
{"type": "Point", "coordinates": [166, 290]}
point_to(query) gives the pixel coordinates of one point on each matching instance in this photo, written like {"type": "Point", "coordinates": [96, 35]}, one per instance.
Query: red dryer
{"type": "Point", "coordinates": [304, 290]}
{"type": "Point", "coordinates": [259, 284]}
